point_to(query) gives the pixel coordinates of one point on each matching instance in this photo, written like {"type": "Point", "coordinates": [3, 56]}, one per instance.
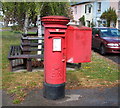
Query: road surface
{"type": "Point", "coordinates": [79, 97]}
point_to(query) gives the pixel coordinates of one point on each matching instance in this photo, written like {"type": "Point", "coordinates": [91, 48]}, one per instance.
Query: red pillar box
{"type": "Point", "coordinates": [54, 56]}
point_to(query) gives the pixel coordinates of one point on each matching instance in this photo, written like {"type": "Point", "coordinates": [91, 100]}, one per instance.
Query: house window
{"type": "Point", "coordinates": [119, 6]}
{"type": "Point", "coordinates": [99, 23]}
{"type": "Point", "coordinates": [99, 6]}
{"type": "Point", "coordinates": [88, 8]}
{"type": "Point", "coordinates": [75, 9]}
{"type": "Point", "coordinates": [88, 23]}
{"type": "Point", "coordinates": [119, 24]}
{"type": "Point", "coordinates": [85, 8]}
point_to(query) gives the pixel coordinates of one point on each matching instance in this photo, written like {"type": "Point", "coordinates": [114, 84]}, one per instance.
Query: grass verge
{"type": "Point", "coordinates": [99, 72]}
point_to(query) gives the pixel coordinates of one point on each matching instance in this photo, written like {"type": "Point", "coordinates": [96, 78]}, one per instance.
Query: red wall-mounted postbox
{"type": "Point", "coordinates": [78, 44]}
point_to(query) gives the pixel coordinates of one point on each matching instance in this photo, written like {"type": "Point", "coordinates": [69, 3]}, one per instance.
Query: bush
{"type": "Point", "coordinates": [82, 20]}
{"type": "Point", "coordinates": [16, 28]}
{"type": "Point", "coordinates": [109, 15]}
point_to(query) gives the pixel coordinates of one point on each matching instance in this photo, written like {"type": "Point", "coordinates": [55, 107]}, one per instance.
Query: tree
{"type": "Point", "coordinates": [26, 12]}
{"type": "Point", "coordinates": [110, 16]}
{"type": "Point", "coordinates": [57, 8]}
{"type": "Point", "coordinates": [21, 12]}
{"type": "Point", "coordinates": [82, 20]}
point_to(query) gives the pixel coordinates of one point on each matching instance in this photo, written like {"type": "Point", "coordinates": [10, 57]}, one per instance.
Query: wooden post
{"type": "Point", "coordinates": [79, 65]}
{"type": "Point", "coordinates": [11, 67]}
{"type": "Point", "coordinates": [29, 65]}
{"type": "Point", "coordinates": [25, 63]}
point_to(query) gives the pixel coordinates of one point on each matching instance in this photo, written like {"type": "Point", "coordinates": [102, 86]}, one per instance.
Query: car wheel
{"type": "Point", "coordinates": [102, 50]}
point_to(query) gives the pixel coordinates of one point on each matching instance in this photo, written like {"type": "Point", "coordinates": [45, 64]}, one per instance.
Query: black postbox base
{"type": "Point", "coordinates": [54, 91]}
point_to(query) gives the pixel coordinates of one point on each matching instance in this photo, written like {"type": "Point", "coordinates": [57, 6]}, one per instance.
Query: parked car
{"type": "Point", "coordinates": [106, 40]}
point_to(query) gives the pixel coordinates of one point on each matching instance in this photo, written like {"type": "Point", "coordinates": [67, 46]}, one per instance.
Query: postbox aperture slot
{"type": "Point", "coordinates": [57, 32]}
{"type": "Point", "coordinates": [56, 44]}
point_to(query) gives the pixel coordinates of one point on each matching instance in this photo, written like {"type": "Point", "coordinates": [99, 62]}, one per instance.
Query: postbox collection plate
{"type": "Point", "coordinates": [56, 44]}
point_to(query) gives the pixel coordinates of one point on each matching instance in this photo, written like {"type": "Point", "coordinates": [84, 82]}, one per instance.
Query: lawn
{"type": "Point", "coordinates": [98, 73]}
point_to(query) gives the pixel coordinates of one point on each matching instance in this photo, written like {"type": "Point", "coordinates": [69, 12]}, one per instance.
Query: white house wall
{"type": "Point", "coordinates": [114, 4]}
{"type": "Point", "coordinates": [104, 6]}
{"type": "Point", "coordinates": [88, 16]}
{"type": "Point", "coordinates": [77, 12]}
{"type": "Point", "coordinates": [118, 22]}
{"type": "Point", "coordinates": [80, 12]}
{"type": "Point", "coordinates": [94, 15]}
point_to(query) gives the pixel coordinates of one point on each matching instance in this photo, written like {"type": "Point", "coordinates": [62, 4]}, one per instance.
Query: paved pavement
{"type": "Point", "coordinates": [114, 57]}
{"type": "Point", "coordinates": [79, 97]}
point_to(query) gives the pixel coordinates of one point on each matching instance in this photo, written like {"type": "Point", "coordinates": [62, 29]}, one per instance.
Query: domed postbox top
{"type": "Point", "coordinates": [55, 20]}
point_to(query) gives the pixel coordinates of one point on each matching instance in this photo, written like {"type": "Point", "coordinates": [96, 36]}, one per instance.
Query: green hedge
{"type": "Point", "coordinates": [16, 28]}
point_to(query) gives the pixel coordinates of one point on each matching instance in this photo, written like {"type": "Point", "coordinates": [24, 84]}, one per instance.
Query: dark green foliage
{"type": "Point", "coordinates": [82, 20]}
{"type": "Point", "coordinates": [16, 28]}
{"type": "Point", "coordinates": [109, 15]}
{"type": "Point", "coordinates": [16, 11]}
{"type": "Point", "coordinates": [56, 8]}
{"type": "Point", "coordinates": [92, 24]}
